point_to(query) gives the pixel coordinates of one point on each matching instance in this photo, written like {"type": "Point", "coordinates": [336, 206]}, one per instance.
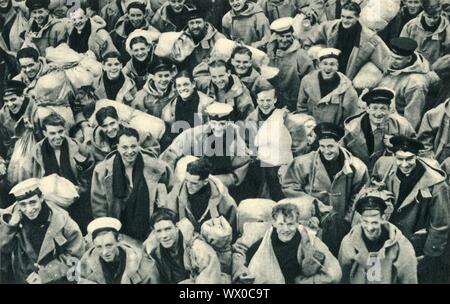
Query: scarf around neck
{"type": "Point", "coordinates": [135, 215]}
{"type": "Point", "coordinates": [79, 42]}
{"type": "Point", "coordinates": [51, 165]}
{"type": "Point", "coordinates": [19, 114]}
{"type": "Point", "coordinates": [112, 87]}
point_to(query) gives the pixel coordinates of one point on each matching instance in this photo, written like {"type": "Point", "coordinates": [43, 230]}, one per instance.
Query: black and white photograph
{"type": "Point", "coordinates": [236, 144]}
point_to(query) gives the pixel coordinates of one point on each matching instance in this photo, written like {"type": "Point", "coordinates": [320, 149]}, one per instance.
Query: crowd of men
{"type": "Point", "coordinates": [224, 141]}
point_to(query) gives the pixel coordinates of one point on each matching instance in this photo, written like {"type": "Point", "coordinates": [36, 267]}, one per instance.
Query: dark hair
{"type": "Point", "coordinates": [28, 52]}
{"type": "Point", "coordinates": [201, 167]}
{"type": "Point", "coordinates": [352, 6]}
{"type": "Point", "coordinates": [137, 40]}
{"type": "Point", "coordinates": [185, 73]}
{"type": "Point", "coordinates": [99, 232]}
{"type": "Point", "coordinates": [104, 113]}
{"type": "Point", "coordinates": [112, 54]}
{"type": "Point", "coordinates": [241, 50]}
{"type": "Point", "coordinates": [53, 119]}
{"type": "Point", "coordinates": [160, 64]}
{"type": "Point", "coordinates": [130, 132]}
{"type": "Point", "coordinates": [136, 4]}
{"type": "Point", "coordinates": [163, 214]}
{"type": "Point", "coordinates": [218, 63]}
{"type": "Point", "coordinates": [288, 210]}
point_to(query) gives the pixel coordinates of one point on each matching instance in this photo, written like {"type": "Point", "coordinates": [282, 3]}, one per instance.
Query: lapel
{"type": "Point", "coordinates": [53, 235]}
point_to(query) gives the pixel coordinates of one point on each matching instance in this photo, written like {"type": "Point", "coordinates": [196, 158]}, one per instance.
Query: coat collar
{"type": "Point", "coordinates": [441, 28]}
{"type": "Point", "coordinates": [236, 90]}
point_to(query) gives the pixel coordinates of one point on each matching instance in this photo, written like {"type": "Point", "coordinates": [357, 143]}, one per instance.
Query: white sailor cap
{"type": "Point", "coordinates": [219, 111]}
{"type": "Point", "coordinates": [282, 25]}
{"type": "Point", "coordinates": [26, 189]}
{"type": "Point", "coordinates": [103, 224]}
{"type": "Point", "coordinates": [328, 53]}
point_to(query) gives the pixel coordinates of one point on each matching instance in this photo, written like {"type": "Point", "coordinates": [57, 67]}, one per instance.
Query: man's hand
{"type": "Point", "coordinates": [34, 278]}
{"type": "Point", "coordinates": [16, 217]}
{"type": "Point", "coordinates": [2, 169]}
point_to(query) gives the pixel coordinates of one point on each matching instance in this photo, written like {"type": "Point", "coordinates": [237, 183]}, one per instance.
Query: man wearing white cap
{"type": "Point", "coordinates": [327, 94]}
{"type": "Point", "coordinates": [37, 237]}
{"type": "Point", "coordinates": [357, 43]}
{"type": "Point", "coordinates": [111, 260]}
{"type": "Point", "coordinates": [287, 55]}
{"type": "Point", "coordinates": [219, 140]}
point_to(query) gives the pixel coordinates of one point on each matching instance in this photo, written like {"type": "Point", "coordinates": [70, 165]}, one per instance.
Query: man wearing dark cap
{"type": "Point", "coordinates": [32, 66]}
{"type": "Point", "coordinates": [407, 77]}
{"type": "Point", "coordinates": [135, 18]}
{"type": "Point", "coordinates": [159, 91]}
{"type": "Point", "coordinates": [202, 35]}
{"type": "Point", "coordinates": [375, 251]}
{"type": "Point", "coordinates": [421, 205]}
{"type": "Point", "coordinates": [44, 30]}
{"type": "Point", "coordinates": [88, 34]}
{"type": "Point", "coordinates": [358, 44]}
{"type": "Point", "coordinates": [331, 174]}
{"type": "Point", "coordinates": [431, 30]}
{"type": "Point", "coordinates": [39, 239]}
{"type": "Point", "coordinates": [113, 260]}
{"type": "Point", "coordinates": [290, 58]}
{"type": "Point", "coordinates": [367, 134]}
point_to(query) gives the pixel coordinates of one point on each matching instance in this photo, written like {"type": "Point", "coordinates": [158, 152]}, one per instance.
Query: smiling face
{"type": "Point", "coordinates": [406, 161]}
{"type": "Point", "coordinates": [218, 127]}
{"type": "Point", "coordinates": [185, 87]}
{"type": "Point", "coordinates": [348, 18]}
{"type": "Point", "coordinates": [266, 101]}
{"type": "Point", "coordinates": [285, 40]}
{"type": "Point", "coordinates": [107, 246]}
{"type": "Point", "coordinates": [79, 19]}
{"type": "Point", "coordinates": [140, 51]}
{"type": "Point", "coordinates": [13, 102]}
{"type": "Point", "coordinates": [112, 68]}
{"type": "Point", "coordinates": [55, 135]}
{"type": "Point", "coordinates": [4, 3]}
{"type": "Point", "coordinates": [31, 207]}
{"type": "Point", "coordinates": [40, 15]}
{"type": "Point", "coordinates": [110, 127]}
{"type": "Point", "coordinates": [128, 148]}
{"type": "Point", "coordinates": [237, 5]}
{"type": "Point", "coordinates": [371, 223]}
{"type": "Point", "coordinates": [329, 148]}
{"type": "Point", "coordinates": [219, 76]}
{"type": "Point", "coordinates": [241, 63]}
{"type": "Point", "coordinates": [177, 5]}
{"type": "Point", "coordinates": [30, 67]}
{"type": "Point", "coordinates": [413, 6]}
{"type": "Point", "coordinates": [285, 227]}
{"type": "Point", "coordinates": [166, 233]}
{"type": "Point", "coordinates": [196, 26]}
{"type": "Point", "coordinates": [162, 80]}
{"type": "Point", "coordinates": [136, 17]}
{"type": "Point", "coordinates": [328, 67]}
{"type": "Point", "coordinates": [378, 113]}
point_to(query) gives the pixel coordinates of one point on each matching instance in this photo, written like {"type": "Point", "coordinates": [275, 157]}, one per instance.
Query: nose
{"type": "Point", "coordinates": [29, 209]}
{"type": "Point", "coordinates": [105, 251]}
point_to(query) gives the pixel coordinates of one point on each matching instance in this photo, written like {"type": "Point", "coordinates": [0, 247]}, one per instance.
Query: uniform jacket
{"type": "Point", "coordinates": [294, 64]}
{"type": "Point", "coordinates": [63, 241]}
{"type": "Point", "coordinates": [32, 83]}
{"type": "Point", "coordinates": [138, 268]}
{"type": "Point", "coordinates": [52, 34]}
{"type": "Point", "coordinates": [151, 101]}
{"type": "Point", "coordinates": [275, 9]}
{"type": "Point", "coordinates": [329, 273]}
{"type": "Point", "coordinates": [162, 22]}
{"type": "Point", "coordinates": [431, 45]}
{"type": "Point", "coordinates": [220, 204]}
{"type": "Point", "coordinates": [396, 259]}
{"type": "Point", "coordinates": [130, 71]}
{"type": "Point", "coordinates": [307, 175]}
{"type": "Point", "coordinates": [250, 26]}
{"type": "Point", "coordinates": [426, 207]}
{"type": "Point", "coordinates": [371, 47]}
{"type": "Point", "coordinates": [434, 132]}
{"type": "Point", "coordinates": [193, 141]}
{"type": "Point", "coordinates": [125, 95]}
{"type": "Point", "coordinates": [355, 141]}
{"type": "Point", "coordinates": [335, 107]}
{"type": "Point", "coordinates": [411, 87]}
{"type": "Point", "coordinates": [156, 173]}
{"type": "Point", "coordinates": [99, 42]}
